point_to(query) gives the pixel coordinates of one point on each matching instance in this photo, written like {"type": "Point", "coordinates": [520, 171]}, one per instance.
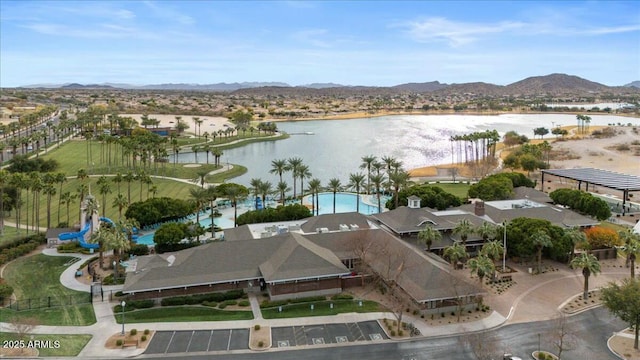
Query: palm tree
{"type": "Point", "coordinates": [464, 229]}
{"type": "Point", "coordinates": [356, 182]}
{"type": "Point", "coordinates": [200, 197]}
{"type": "Point", "coordinates": [116, 239]}
{"type": "Point", "coordinates": [334, 187]}
{"type": "Point", "coordinates": [487, 231]}
{"type": "Point", "coordinates": [255, 189]}
{"type": "Point", "coordinates": [234, 193]}
{"type": "Point", "coordinates": [367, 161]}
{"type": "Point", "coordinates": [293, 165]}
{"type": "Point", "coordinates": [493, 250]}
{"type": "Point", "coordinates": [67, 198]}
{"type": "Point", "coordinates": [120, 202]}
{"type": "Point", "coordinates": [632, 249]}
{"type": "Point", "coordinates": [428, 235]}
{"type": "Point", "coordinates": [104, 188]}
{"type": "Point", "coordinates": [590, 266]}
{"type": "Point", "coordinates": [5, 179]}
{"type": "Point", "coordinates": [201, 177]}
{"type": "Point", "coordinates": [217, 154]}
{"type": "Point", "coordinates": [265, 188]}
{"type": "Point", "coordinates": [481, 266]}
{"type": "Point", "coordinates": [540, 240]}
{"type": "Point", "coordinates": [196, 149]}
{"type": "Point", "coordinates": [278, 166]}
{"type": "Point", "coordinates": [398, 179]}
{"type": "Point", "coordinates": [282, 189]}
{"type": "Point", "coordinates": [455, 253]}
{"type": "Point", "coordinates": [575, 237]}
{"type": "Point", "coordinates": [303, 173]}
{"type": "Point", "coordinates": [60, 178]}
{"type": "Point", "coordinates": [207, 149]}
{"type": "Point", "coordinates": [129, 177]}
{"type": "Point", "coordinates": [315, 186]}
{"type": "Point", "coordinates": [49, 190]}
{"type": "Point", "coordinates": [377, 181]}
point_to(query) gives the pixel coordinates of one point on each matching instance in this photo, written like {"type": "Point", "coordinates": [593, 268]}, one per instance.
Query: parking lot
{"type": "Point", "coordinates": [289, 336]}
{"type": "Point", "coordinates": [171, 342]}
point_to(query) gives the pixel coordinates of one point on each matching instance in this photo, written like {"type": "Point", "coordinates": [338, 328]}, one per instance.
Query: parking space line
{"type": "Point", "coordinates": [189, 343]}
{"type": "Point", "coordinates": [229, 342]}
{"type": "Point", "coordinates": [169, 342]}
{"type": "Point", "coordinates": [210, 337]}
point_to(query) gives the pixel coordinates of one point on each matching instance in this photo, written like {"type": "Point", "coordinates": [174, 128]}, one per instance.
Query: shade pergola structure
{"type": "Point", "coordinates": [609, 179]}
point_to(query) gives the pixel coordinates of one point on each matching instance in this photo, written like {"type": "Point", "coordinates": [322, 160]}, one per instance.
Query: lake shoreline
{"type": "Point", "coordinates": [366, 115]}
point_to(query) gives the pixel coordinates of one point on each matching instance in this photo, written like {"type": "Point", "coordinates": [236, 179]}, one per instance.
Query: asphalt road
{"type": "Point", "coordinates": [589, 332]}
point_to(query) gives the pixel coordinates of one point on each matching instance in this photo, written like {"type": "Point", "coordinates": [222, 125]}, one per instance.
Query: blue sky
{"type": "Point", "coordinates": [376, 43]}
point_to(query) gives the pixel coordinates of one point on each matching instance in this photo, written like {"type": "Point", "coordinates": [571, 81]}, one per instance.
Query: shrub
{"type": "Point", "coordinates": [210, 303]}
{"type": "Point", "coordinates": [260, 343]}
{"type": "Point", "coordinates": [146, 331]}
{"type": "Point", "coordinates": [119, 342]}
{"type": "Point", "coordinates": [139, 250]}
{"type": "Point", "coordinates": [143, 338]}
{"type": "Point", "coordinates": [134, 304]}
{"type": "Point", "coordinates": [308, 299]}
{"type": "Point", "coordinates": [201, 298]}
{"type": "Point", "coordinates": [393, 333]}
{"type": "Point", "coordinates": [133, 332]}
{"type": "Point", "coordinates": [244, 303]}
{"type": "Point", "coordinates": [400, 333]}
{"type": "Point", "coordinates": [342, 297]}
{"type": "Point", "coordinates": [269, 304]}
{"type": "Point", "coordinates": [256, 327]}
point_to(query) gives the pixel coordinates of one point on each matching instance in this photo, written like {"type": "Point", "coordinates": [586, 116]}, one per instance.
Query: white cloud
{"type": "Point", "coordinates": [170, 14]}
{"type": "Point", "coordinates": [438, 29]}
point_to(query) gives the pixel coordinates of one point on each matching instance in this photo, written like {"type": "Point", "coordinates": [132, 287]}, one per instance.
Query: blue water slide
{"type": "Point", "coordinates": [79, 236]}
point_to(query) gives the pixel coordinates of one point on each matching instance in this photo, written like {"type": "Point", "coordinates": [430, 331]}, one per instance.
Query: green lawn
{"type": "Point", "coordinates": [9, 234]}
{"type": "Point", "coordinates": [237, 170]}
{"type": "Point", "coordinates": [58, 345]}
{"type": "Point", "coordinates": [166, 187]}
{"type": "Point", "coordinates": [321, 309]}
{"type": "Point", "coordinates": [182, 314]}
{"type": "Point", "coordinates": [459, 189]}
{"type": "Point", "coordinates": [38, 278]}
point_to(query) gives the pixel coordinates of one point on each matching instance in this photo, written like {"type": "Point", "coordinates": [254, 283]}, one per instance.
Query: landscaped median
{"type": "Point", "coordinates": [317, 306]}
{"type": "Point", "coordinates": [203, 307]}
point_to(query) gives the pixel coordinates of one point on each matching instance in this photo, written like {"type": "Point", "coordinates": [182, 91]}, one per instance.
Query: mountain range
{"type": "Point", "coordinates": [548, 84]}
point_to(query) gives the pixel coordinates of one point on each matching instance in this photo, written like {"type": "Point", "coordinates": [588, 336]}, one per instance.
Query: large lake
{"type": "Point", "coordinates": [336, 147]}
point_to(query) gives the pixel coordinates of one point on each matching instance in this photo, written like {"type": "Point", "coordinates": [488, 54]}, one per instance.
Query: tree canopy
{"type": "Point", "coordinates": [281, 213]}
{"type": "Point", "coordinates": [430, 196]}
{"type": "Point", "coordinates": [498, 186]}
{"type": "Point", "coordinates": [582, 202]}
{"type": "Point", "coordinates": [624, 302]}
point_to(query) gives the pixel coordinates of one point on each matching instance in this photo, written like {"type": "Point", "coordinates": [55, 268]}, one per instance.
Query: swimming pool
{"type": "Point", "coordinates": [205, 221]}
{"type": "Point", "coordinates": [345, 202]}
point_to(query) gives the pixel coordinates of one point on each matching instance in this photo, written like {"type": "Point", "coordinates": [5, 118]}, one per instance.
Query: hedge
{"type": "Point", "coordinates": [18, 247]}
{"type": "Point", "coordinates": [270, 304]}
{"type": "Point", "coordinates": [133, 305]}
{"type": "Point", "coordinates": [202, 298]}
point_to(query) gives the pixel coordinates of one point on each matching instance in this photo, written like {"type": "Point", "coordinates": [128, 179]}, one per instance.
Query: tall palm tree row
{"type": "Point", "coordinates": [356, 182]}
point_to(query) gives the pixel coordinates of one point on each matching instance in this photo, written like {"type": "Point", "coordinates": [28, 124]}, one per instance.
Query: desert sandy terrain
{"type": "Point", "coordinates": [603, 153]}
{"type": "Point", "coordinates": [209, 123]}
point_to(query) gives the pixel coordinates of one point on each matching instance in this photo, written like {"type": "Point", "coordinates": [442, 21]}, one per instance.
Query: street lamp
{"type": "Point", "coordinates": [115, 271]}
{"type": "Point", "coordinates": [123, 303]}
{"type": "Point", "coordinates": [504, 247]}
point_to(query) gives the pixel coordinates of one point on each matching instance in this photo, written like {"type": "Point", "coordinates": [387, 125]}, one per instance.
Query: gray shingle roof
{"type": "Point", "coordinates": [299, 258]}
{"type": "Point", "coordinates": [405, 220]}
